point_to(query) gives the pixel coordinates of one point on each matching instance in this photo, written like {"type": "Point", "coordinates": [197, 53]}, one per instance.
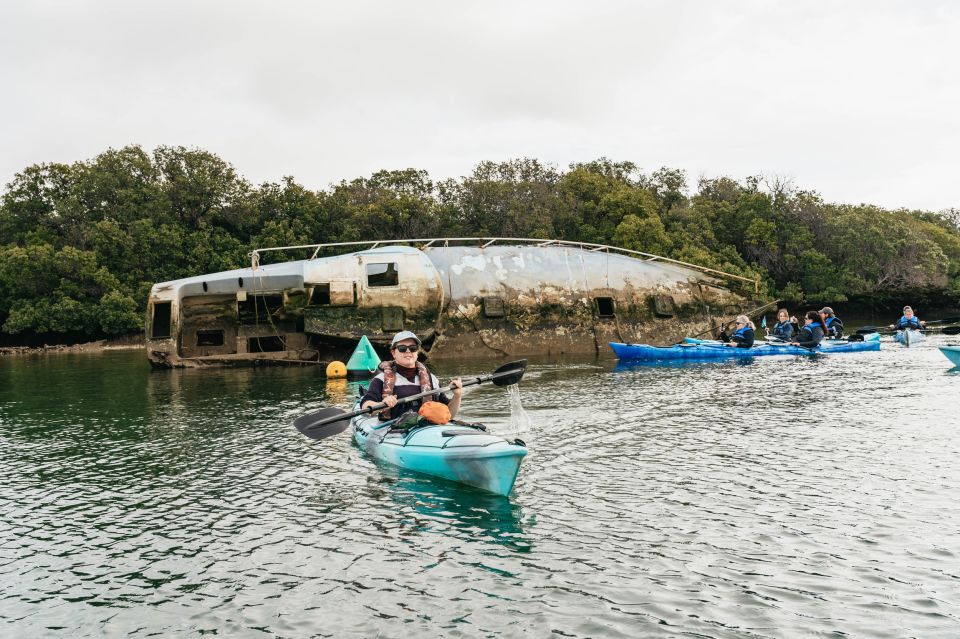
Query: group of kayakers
{"type": "Point", "coordinates": [817, 326]}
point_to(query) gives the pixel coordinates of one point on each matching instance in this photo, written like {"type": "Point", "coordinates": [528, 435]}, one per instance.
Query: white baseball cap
{"type": "Point", "coordinates": [402, 335]}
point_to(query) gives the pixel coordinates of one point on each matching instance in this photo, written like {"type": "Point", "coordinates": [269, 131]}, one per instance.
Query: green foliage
{"type": "Point", "coordinates": [81, 244]}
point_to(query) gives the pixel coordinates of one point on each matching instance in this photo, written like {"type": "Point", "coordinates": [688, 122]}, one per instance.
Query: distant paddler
{"type": "Point", "coordinates": [908, 321]}
{"type": "Point", "coordinates": [743, 336]}
{"type": "Point", "coordinates": [786, 326]}
{"type": "Point", "coordinates": [812, 332]}
{"type": "Point", "coordinates": [832, 324]}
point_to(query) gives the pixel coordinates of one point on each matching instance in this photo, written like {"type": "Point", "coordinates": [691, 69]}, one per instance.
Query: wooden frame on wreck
{"type": "Point", "coordinates": [465, 297]}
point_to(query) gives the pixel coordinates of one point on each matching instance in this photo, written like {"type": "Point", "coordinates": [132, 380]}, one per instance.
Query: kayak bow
{"type": "Point", "coordinates": [952, 353]}
{"type": "Point", "coordinates": [909, 337]}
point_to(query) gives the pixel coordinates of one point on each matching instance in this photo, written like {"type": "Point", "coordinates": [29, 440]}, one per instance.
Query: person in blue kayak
{"type": "Point", "coordinates": [786, 326]}
{"type": "Point", "coordinates": [909, 320]}
{"type": "Point", "coordinates": [812, 332]}
{"type": "Point", "coordinates": [834, 327]}
{"type": "Point", "coordinates": [743, 336]}
{"type": "Point", "coordinates": [404, 376]}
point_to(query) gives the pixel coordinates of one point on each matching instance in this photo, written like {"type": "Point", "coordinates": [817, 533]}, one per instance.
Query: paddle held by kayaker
{"type": "Point", "coordinates": [909, 320]}
{"type": "Point", "coordinates": [812, 332]}
{"type": "Point", "coordinates": [743, 336]}
{"type": "Point", "coordinates": [404, 376]}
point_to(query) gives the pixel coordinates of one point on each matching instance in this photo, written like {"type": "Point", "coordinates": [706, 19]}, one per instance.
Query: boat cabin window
{"type": "Point", "coordinates": [267, 344]}
{"type": "Point", "coordinates": [257, 308]}
{"type": "Point", "coordinates": [161, 320]}
{"type": "Point", "coordinates": [605, 306]}
{"type": "Point", "coordinates": [321, 295]}
{"type": "Point", "coordinates": [382, 274]}
{"type": "Point", "coordinates": [663, 306]}
{"type": "Point", "coordinates": [210, 338]}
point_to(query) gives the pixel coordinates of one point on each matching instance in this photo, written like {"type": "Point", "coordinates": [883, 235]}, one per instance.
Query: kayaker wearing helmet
{"type": "Point", "coordinates": [743, 336]}
{"type": "Point", "coordinates": [909, 320]}
{"type": "Point", "coordinates": [812, 332]}
{"type": "Point", "coordinates": [405, 376]}
{"type": "Point", "coordinates": [832, 322]}
{"type": "Point", "coordinates": [786, 326]}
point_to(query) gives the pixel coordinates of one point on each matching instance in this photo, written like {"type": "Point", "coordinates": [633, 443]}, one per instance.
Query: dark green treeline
{"type": "Point", "coordinates": [81, 244]}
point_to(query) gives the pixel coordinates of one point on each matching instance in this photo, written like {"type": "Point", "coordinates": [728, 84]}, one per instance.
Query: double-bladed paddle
{"type": "Point", "coordinates": [327, 422]}
{"type": "Point", "coordinates": [945, 320]}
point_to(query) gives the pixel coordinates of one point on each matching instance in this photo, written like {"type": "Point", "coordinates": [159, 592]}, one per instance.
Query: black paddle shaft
{"type": "Point", "coordinates": [311, 424]}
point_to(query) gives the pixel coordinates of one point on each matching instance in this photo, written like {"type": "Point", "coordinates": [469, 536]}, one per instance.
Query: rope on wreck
{"type": "Point", "coordinates": [254, 264]}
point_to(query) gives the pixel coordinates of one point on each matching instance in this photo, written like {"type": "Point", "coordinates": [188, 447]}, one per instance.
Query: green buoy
{"type": "Point", "coordinates": [364, 360]}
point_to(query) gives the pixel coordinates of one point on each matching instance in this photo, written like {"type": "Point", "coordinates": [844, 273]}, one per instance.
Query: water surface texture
{"type": "Point", "coordinates": [780, 497]}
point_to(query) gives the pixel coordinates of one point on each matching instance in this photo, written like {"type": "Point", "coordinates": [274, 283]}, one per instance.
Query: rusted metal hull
{"type": "Point", "coordinates": [463, 301]}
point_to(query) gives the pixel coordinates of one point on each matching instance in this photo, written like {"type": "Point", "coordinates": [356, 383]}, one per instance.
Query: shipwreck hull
{"type": "Point", "coordinates": [494, 300]}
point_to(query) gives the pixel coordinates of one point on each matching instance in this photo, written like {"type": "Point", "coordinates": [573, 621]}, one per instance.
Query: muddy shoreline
{"type": "Point", "coordinates": [127, 342]}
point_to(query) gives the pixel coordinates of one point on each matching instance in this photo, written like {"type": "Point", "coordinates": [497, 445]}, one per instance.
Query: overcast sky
{"type": "Point", "coordinates": [857, 100]}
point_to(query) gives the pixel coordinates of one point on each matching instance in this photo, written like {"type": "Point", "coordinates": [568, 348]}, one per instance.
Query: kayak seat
{"type": "Point", "coordinates": [461, 431]}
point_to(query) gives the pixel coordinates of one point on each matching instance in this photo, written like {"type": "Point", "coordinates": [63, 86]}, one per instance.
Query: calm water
{"type": "Point", "coordinates": [782, 497]}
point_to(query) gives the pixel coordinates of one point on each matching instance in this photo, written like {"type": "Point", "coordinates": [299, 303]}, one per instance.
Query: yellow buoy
{"type": "Point", "coordinates": [336, 370]}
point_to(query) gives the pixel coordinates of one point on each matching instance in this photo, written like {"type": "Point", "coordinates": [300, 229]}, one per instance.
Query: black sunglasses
{"type": "Point", "coordinates": [403, 348]}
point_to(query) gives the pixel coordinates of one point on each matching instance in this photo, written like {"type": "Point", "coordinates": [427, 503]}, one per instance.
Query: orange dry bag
{"type": "Point", "coordinates": [435, 412]}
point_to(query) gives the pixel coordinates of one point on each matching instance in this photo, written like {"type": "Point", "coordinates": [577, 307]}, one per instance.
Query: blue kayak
{"type": "Point", "coordinates": [869, 337]}
{"type": "Point", "coordinates": [455, 451]}
{"type": "Point", "coordinates": [717, 350]}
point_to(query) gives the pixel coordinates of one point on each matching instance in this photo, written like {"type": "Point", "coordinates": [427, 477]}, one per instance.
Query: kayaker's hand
{"type": "Point", "coordinates": [390, 401]}
{"type": "Point", "coordinates": [457, 384]}
{"type": "Point", "coordinates": [892, 326]}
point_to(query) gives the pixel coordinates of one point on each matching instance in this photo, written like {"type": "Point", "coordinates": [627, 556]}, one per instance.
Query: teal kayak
{"type": "Point", "coordinates": [952, 353]}
{"type": "Point", "coordinates": [717, 350]}
{"type": "Point", "coordinates": [456, 451]}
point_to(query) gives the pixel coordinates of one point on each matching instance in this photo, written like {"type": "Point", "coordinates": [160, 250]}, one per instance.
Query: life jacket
{"type": "Point", "coordinates": [389, 370]}
{"type": "Point", "coordinates": [913, 322]}
{"type": "Point", "coordinates": [742, 331]}
{"type": "Point", "coordinates": [811, 331]}
{"type": "Point", "coordinates": [829, 323]}
{"type": "Point", "coordinates": [783, 328]}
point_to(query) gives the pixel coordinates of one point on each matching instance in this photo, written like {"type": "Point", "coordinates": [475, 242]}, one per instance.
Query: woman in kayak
{"type": "Point", "coordinates": [812, 332]}
{"type": "Point", "coordinates": [743, 336]}
{"type": "Point", "coordinates": [832, 324]}
{"type": "Point", "coordinates": [909, 320]}
{"type": "Point", "coordinates": [405, 376]}
{"type": "Point", "coordinates": [786, 326]}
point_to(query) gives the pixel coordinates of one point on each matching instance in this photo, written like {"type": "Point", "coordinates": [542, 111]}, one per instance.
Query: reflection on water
{"type": "Point", "coordinates": [775, 497]}
{"type": "Point", "coordinates": [454, 510]}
